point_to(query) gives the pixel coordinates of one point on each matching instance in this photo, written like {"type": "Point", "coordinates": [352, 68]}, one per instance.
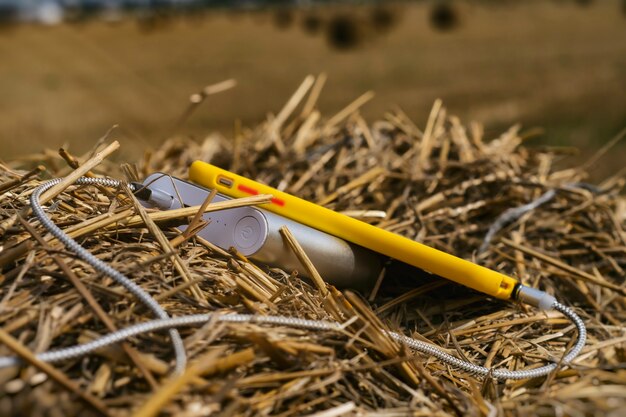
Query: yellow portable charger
{"type": "Point", "coordinates": [355, 231]}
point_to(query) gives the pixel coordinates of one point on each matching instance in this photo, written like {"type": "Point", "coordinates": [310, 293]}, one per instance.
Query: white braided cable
{"type": "Point", "coordinates": [198, 319]}
{"type": "Point", "coordinates": [319, 325]}
{"type": "Point", "coordinates": [102, 267]}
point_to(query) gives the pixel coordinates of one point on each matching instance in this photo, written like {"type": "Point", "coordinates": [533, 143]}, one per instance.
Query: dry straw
{"type": "Point", "coordinates": [444, 185]}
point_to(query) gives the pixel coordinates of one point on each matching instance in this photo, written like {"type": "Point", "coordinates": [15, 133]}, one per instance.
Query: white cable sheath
{"type": "Point", "coordinates": [164, 322]}
{"type": "Point", "coordinates": [102, 267]}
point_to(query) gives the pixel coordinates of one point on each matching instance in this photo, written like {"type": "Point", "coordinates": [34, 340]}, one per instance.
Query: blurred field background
{"type": "Point", "coordinates": [559, 65]}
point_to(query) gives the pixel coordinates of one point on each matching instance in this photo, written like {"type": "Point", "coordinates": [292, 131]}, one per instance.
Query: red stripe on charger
{"type": "Point", "coordinates": [252, 191]}
{"type": "Point", "coordinates": [278, 201]}
{"type": "Point", "coordinates": [247, 189]}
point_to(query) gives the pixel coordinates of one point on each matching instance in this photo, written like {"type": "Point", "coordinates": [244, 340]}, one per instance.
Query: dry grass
{"type": "Point", "coordinates": [443, 184]}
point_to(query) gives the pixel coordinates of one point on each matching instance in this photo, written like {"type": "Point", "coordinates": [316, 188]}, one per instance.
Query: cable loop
{"type": "Point", "coordinates": [102, 267]}
{"type": "Point", "coordinates": [164, 322]}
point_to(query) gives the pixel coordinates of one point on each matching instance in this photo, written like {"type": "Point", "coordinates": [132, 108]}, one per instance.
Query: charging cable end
{"type": "Point", "coordinates": [536, 298]}
{"type": "Point", "coordinates": [155, 197]}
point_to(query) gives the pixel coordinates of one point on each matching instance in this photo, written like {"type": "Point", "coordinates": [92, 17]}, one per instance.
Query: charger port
{"type": "Point", "coordinates": [225, 181]}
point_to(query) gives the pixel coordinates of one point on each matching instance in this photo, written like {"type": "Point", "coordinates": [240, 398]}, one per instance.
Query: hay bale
{"type": "Point", "coordinates": [443, 185]}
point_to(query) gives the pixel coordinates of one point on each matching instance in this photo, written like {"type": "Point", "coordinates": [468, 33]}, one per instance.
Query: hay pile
{"type": "Point", "coordinates": [444, 185]}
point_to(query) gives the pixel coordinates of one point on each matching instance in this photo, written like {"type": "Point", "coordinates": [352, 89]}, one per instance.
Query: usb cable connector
{"type": "Point", "coordinates": [155, 197]}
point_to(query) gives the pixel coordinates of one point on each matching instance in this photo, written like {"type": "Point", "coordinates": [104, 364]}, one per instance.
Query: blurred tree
{"type": "Point", "coordinates": [444, 16]}
{"type": "Point", "coordinates": [343, 32]}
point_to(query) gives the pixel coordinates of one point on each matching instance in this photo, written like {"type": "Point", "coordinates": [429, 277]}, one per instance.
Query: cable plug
{"type": "Point", "coordinates": [535, 297]}
{"type": "Point", "coordinates": [155, 197]}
